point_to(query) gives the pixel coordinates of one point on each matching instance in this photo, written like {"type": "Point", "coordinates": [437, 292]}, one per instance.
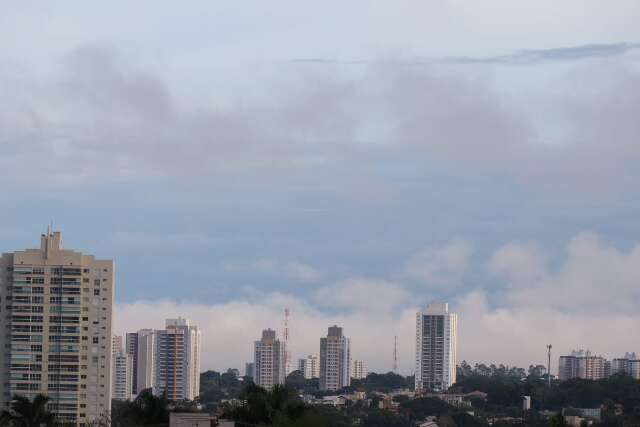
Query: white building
{"type": "Point", "coordinates": [335, 360]}
{"type": "Point", "coordinates": [269, 355]}
{"type": "Point", "coordinates": [176, 360]}
{"type": "Point", "coordinates": [310, 367]}
{"type": "Point", "coordinates": [145, 360]}
{"type": "Point", "coordinates": [436, 336]}
{"type": "Point", "coordinates": [56, 329]}
{"type": "Point", "coordinates": [121, 375]}
{"type": "Point", "coordinates": [359, 370]}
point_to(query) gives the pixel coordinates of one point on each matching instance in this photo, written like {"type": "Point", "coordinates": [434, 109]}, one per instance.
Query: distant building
{"type": "Point", "coordinates": [526, 403]}
{"type": "Point", "coordinates": [359, 370]}
{"type": "Point", "coordinates": [628, 364]}
{"type": "Point", "coordinates": [190, 419]}
{"type": "Point", "coordinates": [121, 375]}
{"type": "Point", "coordinates": [250, 370]}
{"type": "Point", "coordinates": [177, 360]}
{"type": "Point", "coordinates": [436, 337]}
{"type": "Point", "coordinates": [145, 360]}
{"type": "Point", "coordinates": [335, 360]}
{"type": "Point", "coordinates": [131, 347]}
{"type": "Point", "coordinates": [581, 364]}
{"type": "Point", "coordinates": [269, 360]}
{"type": "Point", "coordinates": [310, 367]}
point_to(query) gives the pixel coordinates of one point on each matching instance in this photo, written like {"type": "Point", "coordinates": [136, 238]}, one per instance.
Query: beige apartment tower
{"type": "Point", "coordinates": [56, 329]}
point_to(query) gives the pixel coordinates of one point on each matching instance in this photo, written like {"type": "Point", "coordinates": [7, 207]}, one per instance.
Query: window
{"type": "Point", "coordinates": [96, 291]}
{"type": "Point", "coordinates": [94, 340]}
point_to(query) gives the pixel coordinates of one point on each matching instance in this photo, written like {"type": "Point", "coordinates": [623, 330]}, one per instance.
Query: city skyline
{"type": "Point", "coordinates": [349, 162]}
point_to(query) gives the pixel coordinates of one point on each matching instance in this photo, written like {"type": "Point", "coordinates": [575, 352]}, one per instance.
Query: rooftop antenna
{"type": "Point", "coordinates": [549, 364]}
{"type": "Point", "coordinates": [395, 354]}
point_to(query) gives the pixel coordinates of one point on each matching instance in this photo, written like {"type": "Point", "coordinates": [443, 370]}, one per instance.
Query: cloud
{"type": "Point", "coordinates": [230, 329]}
{"type": "Point", "coordinates": [109, 117]}
{"type": "Point", "coordinates": [362, 294]}
{"type": "Point", "coordinates": [593, 277]}
{"type": "Point", "coordinates": [439, 267]}
{"type": "Point", "coordinates": [520, 265]}
{"type": "Point", "coordinates": [295, 271]}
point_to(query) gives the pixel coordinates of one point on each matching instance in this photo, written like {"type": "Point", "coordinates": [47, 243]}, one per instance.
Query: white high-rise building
{"type": "Point", "coordinates": [146, 360]}
{"type": "Point", "coordinates": [359, 370]}
{"type": "Point", "coordinates": [177, 360]}
{"type": "Point", "coordinates": [269, 355]}
{"type": "Point", "coordinates": [310, 367]}
{"type": "Point", "coordinates": [335, 360]}
{"type": "Point", "coordinates": [121, 371]}
{"type": "Point", "coordinates": [56, 329]}
{"type": "Point", "coordinates": [436, 336]}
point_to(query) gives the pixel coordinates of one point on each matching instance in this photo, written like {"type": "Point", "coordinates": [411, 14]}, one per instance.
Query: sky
{"type": "Point", "coordinates": [351, 161]}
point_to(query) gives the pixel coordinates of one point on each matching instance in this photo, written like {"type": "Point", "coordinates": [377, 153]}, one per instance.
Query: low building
{"type": "Point", "coordinates": [190, 419]}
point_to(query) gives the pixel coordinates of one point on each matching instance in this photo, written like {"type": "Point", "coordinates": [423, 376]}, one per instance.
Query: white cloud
{"type": "Point", "coordinates": [593, 277]}
{"type": "Point", "coordinates": [363, 294]}
{"type": "Point", "coordinates": [229, 329]}
{"type": "Point", "coordinates": [439, 267]}
{"type": "Point", "coordinates": [519, 264]}
{"type": "Point", "coordinates": [302, 272]}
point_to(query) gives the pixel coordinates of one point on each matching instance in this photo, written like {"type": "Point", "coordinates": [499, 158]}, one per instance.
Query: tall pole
{"type": "Point", "coordinates": [549, 365]}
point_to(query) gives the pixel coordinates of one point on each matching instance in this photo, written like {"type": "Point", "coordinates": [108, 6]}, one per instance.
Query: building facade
{"type": "Point", "coordinates": [121, 374]}
{"type": "Point", "coordinates": [359, 370]}
{"type": "Point", "coordinates": [145, 360]}
{"type": "Point", "coordinates": [269, 363]}
{"type": "Point", "coordinates": [131, 347]}
{"type": "Point", "coordinates": [335, 360]}
{"type": "Point", "coordinates": [583, 364]}
{"type": "Point", "coordinates": [436, 342]}
{"type": "Point", "coordinates": [177, 360]}
{"type": "Point", "coordinates": [56, 329]}
{"type": "Point", "coordinates": [310, 367]}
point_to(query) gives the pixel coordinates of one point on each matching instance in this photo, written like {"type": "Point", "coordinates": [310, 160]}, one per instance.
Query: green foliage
{"type": "Point", "coordinates": [381, 382]}
{"type": "Point", "coordinates": [146, 409]}
{"type": "Point", "coordinates": [28, 413]}
{"type": "Point", "coordinates": [215, 386]}
{"type": "Point", "coordinates": [380, 418]}
{"type": "Point", "coordinates": [280, 406]}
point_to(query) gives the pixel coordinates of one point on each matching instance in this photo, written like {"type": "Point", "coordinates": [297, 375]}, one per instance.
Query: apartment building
{"type": "Point", "coordinates": [359, 370]}
{"type": "Point", "coordinates": [269, 360]}
{"type": "Point", "coordinates": [436, 343]}
{"type": "Point", "coordinates": [56, 328]}
{"type": "Point", "coordinates": [335, 360]}
{"type": "Point", "coordinates": [310, 367]}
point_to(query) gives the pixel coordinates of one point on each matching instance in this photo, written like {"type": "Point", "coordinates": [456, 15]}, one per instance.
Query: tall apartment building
{"type": "Point", "coordinates": [436, 354]}
{"type": "Point", "coordinates": [177, 360]}
{"type": "Point", "coordinates": [335, 360]}
{"type": "Point", "coordinates": [121, 371]}
{"type": "Point", "coordinates": [250, 370]}
{"type": "Point", "coordinates": [269, 355]}
{"type": "Point", "coordinates": [145, 360]}
{"type": "Point", "coordinates": [359, 370]}
{"type": "Point", "coordinates": [55, 329]}
{"type": "Point", "coordinates": [131, 347]}
{"type": "Point", "coordinates": [310, 367]}
{"type": "Point", "coordinates": [582, 364]}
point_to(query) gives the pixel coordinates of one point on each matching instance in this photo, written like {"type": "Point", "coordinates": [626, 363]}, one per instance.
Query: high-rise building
{"type": "Point", "coordinates": [146, 360]}
{"type": "Point", "coordinates": [131, 347]}
{"type": "Point", "coordinates": [436, 340]}
{"type": "Point", "coordinates": [250, 370]}
{"type": "Point", "coordinates": [359, 370]}
{"type": "Point", "coordinates": [56, 329]}
{"type": "Point", "coordinates": [582, 364]}
{"type": "Point", "coordinates": [310, 367]}
{"type": "Point", "coordinates": [269, 354]}
{"type": "Point", "coordinates": [335, 360]}
{"type": "Point", "coordinates": [121, 371]}
{"type": "Point", "coordinates": [177, 360]}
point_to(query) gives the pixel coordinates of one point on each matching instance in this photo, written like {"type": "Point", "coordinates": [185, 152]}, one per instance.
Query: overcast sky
{"type": "Point", "coordinates": [349, 160]}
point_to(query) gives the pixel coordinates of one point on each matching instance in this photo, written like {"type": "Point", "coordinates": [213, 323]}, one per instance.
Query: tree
{"type": "Point", "coordinates": [558, 421]}
{"type": "Point", "coordinates": [29, 413]}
